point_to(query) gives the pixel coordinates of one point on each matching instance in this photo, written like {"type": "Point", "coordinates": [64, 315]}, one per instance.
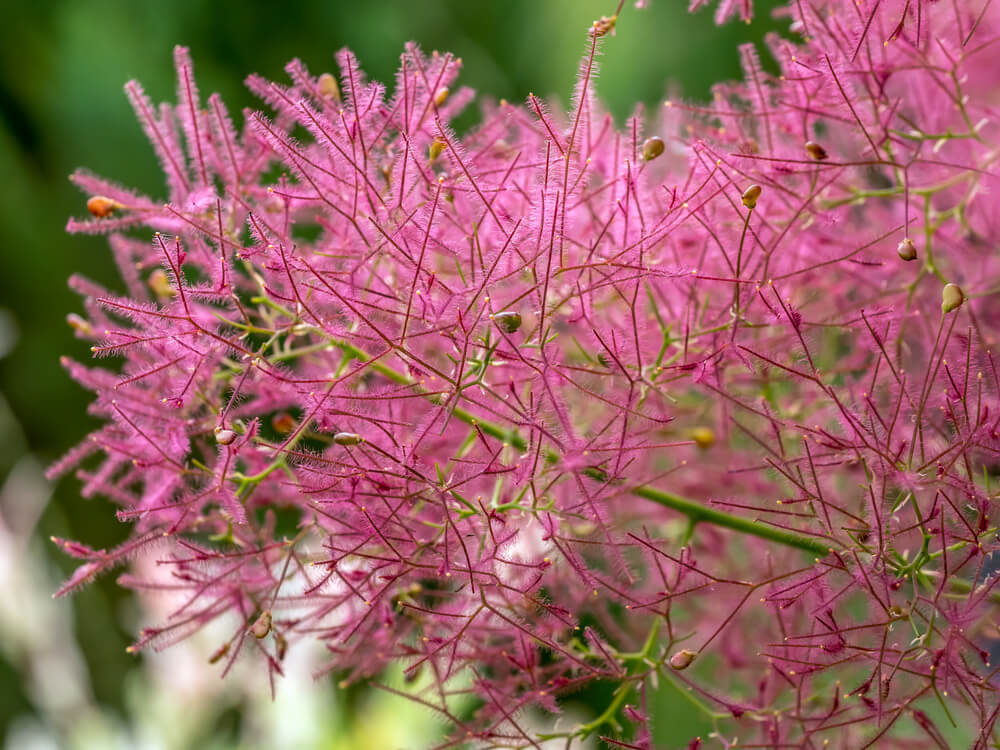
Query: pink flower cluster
{"type": "Point", "coordinates": [708, 399]}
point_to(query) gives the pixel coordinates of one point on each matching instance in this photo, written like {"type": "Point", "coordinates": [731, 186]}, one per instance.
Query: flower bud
{"type": "Point", "coordinates": [816, 151]}
{"type": "Point", "coordinates": [652, 148]}
{"type": "Point", "coordinates": [102, 207]}
{"type": "Point", "coordinates": [952, 297]}
{"type": "Point", "coordinates": [328, 87]}
{"type": "Point", "coordinates": [750, 196]}
{"type": "Point", "coordinates": [435, 149]}
{"type": "Point", "coordinates": [704, 437]}
{"type": "Point", "coordinates": [79, 324]}
{"type": "Point", "coordinates": [224, 437]}
{"type": "Point", "coordinates": [682, 659]}
{"type": "Point", "coordinates": [508, 321]}
{"type": "Point", "coordinates": [160, 284]}
{"type": "Point", "coordinates": [347, 438]}
{"type": "Point", "coordinates": [262, 626]}
{"type": "Point", "coordinates": [441, 96]}
{"type": "Point", "coordinates": [906, 249]}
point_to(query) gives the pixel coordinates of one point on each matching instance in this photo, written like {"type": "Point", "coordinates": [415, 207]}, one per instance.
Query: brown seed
{"type": "Point", "coordinates": [750, 196]}
{"type": "Point", "coordinates": [816, 151]}
{"type": "Point", "coordinates": [652, 148]}
{"type": "Point", "coordinates": [906, 250]}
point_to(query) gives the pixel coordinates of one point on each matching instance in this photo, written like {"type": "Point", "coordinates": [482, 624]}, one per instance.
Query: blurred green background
{"type": "Point", "coordinates": [65, 679]}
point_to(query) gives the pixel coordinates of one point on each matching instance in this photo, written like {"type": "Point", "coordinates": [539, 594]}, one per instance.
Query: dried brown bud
{"type": "Point", "coordinates": [602, 27]}
{"type": "Point", "coordinates": [952, 297]}
{"type": "Point", "coordinates": [347, 438]}
{"type": "Point", "coordinates": [816, 151]}
{"type": "Point", "coordinates": [508, 321]}
{"type": "Point", "coordinates": [682, 659]}
{"type": "Point", "coordinates": [750, 196]}
{"type": "Point", "coordinates": [906, 249]}
{"type": "Point", "coordinates": [283, 423]}
{"type": "Point", "coordinates": [898, 613]}
{"type": "Point", "coordinates": [219, 653]}
{"type": "Point", "coordinates": [102, 207]}
{"type": "Point", "coordinates": [652, 148]}
{"type": "Point", "coordinates": [262, 626]}
{"type": "Point", "coordinates": [329, 87]}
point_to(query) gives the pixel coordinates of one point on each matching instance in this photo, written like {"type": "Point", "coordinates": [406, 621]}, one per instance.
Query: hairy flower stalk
{"type": "Point", "coordinates": [554, 403]}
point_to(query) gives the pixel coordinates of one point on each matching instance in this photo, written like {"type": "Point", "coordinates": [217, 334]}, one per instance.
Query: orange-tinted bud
{"type": "Point", "coordinates": [816, 151]}
{"type": "Point", "coordinates": [102, 207]}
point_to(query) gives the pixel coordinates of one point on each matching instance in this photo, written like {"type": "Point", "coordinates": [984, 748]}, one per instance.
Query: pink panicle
{"type": "Point", "coordinates": [550, 403]}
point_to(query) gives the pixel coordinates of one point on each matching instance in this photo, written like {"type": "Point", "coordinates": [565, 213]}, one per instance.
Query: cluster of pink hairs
{"type": "Point", "coordinates": [707, 400]}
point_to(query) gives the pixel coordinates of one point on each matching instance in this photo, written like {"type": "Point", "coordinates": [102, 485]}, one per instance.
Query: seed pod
{"type": "Point", "coordinates": [704, 437]}
{"type": "Point", "coordinates": [508, 321]}
{"type": "Point", "coordinates": [682, 659]}
{"type": "Point", "coordinates": [102, 207]}
{"type": "Point", "coordinates": [329, 87]}
{"type": "Point", "coordinates": [952, 297]}
{"type": "Point", "coordinates": [347, 438]}
{"type": "Point", "coordinates": [906, 250]}
{"type": "Point", "coordinates": [280, 646]}
{"type": "Point", "coordinates": [223, 436]}
{"type": "Point", "coordinates": [435, 149]}
{"type": "Point", "coordinates": [816, 151]}
{"type": "Point", "coordinates": [652, 148]}
{"type": "Point", "coordinates": [750, 196]}
{"type": "Point", "coordinates": [442, 95]}
{"type": "Point", "coordinates": [262, 627]}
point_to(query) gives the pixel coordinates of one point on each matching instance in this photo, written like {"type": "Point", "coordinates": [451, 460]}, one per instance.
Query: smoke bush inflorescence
{"type": "Point", "coordinates": [708, 399]}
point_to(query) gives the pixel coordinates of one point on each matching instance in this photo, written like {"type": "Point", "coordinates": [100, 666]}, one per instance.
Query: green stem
{"type": "Point", "coordinates": [696, 512]}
